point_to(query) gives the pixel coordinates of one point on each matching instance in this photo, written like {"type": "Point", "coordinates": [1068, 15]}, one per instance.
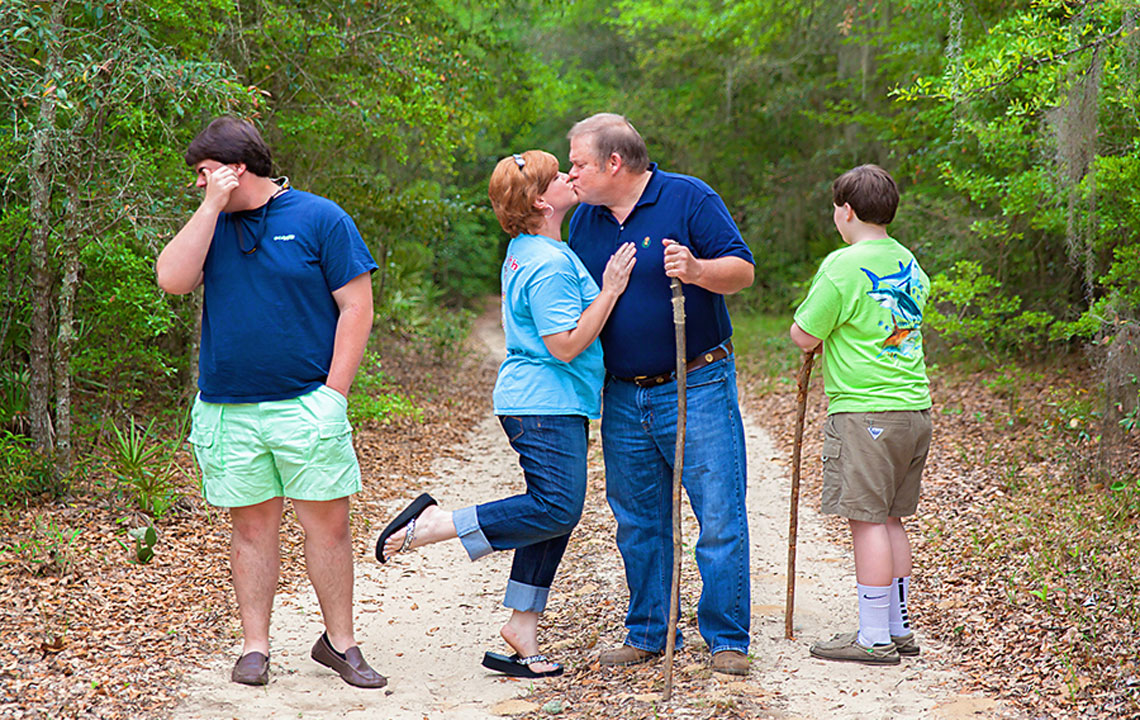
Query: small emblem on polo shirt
{"type": "Point", "coordinates": [645, 242]}
{"type": "Point", "coordinates": [285, 238]}
{"type": "Point", "coordinates": [875, 432]}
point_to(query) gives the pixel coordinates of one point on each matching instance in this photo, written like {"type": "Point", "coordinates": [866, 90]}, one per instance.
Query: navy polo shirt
{"type": "Point", "coordinates": [269, 318]}
{"type": "Point", "coordinates": [638, 338]}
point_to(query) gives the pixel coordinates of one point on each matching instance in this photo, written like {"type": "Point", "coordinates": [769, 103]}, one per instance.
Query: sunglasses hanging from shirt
{"type": "Point", "coordinates": [262, 214]}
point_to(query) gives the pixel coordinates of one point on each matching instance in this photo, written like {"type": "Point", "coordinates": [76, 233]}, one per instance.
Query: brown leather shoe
{"type": "Point", "coordinates": [732, 662]}
{"type": "Point", "coordinates": [350, 666]}
{"type": "Point", "coordinates": [626, 655]}
{"type": "Point", "coordinates": [251, 669]}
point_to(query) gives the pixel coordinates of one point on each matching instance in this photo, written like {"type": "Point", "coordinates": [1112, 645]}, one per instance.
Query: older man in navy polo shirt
{"type": "Point", "coordinates": [682, 229]}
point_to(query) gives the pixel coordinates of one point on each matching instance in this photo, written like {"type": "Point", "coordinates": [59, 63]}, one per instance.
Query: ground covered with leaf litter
{"type": "Point", "coordinates": [1025, 552]}
{"type": "Point", "coordinates": [85, 632]}
{"type": "Point", "coordinates": [1024, 559]}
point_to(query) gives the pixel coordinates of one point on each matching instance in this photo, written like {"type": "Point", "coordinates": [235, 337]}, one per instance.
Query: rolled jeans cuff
{"type": "Point", "coordinates": [525, 598]}
{"type": "Point", "coordinates": [470, 534]}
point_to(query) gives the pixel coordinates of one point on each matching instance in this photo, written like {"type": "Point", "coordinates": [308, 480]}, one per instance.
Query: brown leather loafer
{"type": "Point", "coordinates": [732, 662]}
{"type": "Point", "coordinates": [351, 666]}
{"type": "Point", "coordinates": [251, 669]}
{"type": "Point", "coordinates": [626, 655]}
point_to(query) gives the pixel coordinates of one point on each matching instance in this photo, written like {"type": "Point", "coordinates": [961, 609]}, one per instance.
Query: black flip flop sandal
{"type": "Point", "coordinates": [407, 517]}
{"type": "Point", "coordinates": [516, 666]}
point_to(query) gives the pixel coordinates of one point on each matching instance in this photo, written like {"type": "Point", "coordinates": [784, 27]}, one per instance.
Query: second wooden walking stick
{"type": "Point", "coordinates": [678, 466]}
{"type": "Point", "coordinates": [793, 517]}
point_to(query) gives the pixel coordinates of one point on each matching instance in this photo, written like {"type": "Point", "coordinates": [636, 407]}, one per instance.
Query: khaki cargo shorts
{"type": "Point", "coordinates": [872, 463]}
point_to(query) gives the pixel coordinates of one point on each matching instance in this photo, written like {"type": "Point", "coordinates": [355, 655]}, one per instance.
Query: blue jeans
{"type": "Point", "coordinates": [536, 524]}
{"type": "Point", "coordinates": [639, 439]}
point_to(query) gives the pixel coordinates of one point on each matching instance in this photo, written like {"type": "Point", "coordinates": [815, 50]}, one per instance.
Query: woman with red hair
{"type": "Point", "coordinates": [547, 390]}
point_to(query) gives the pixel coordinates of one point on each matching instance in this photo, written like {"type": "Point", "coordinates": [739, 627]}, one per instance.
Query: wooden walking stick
{"type": "Point", "coordinates": [793, 518]}
{"type": "Point", "coordinates": [678, 466]}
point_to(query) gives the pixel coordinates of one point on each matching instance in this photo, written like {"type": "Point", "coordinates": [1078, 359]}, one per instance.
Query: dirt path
{"type": "Point", "coordinates": [825, 604]}
{"type": "Point", "coordinates": [425, 619]}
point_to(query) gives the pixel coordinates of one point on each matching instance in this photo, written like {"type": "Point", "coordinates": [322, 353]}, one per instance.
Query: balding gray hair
{"type": "Point", "coordinates": [611, 133]}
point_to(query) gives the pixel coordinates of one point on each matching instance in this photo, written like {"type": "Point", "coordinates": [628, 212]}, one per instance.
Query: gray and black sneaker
{"type": "Point", "coordinates": [845, 647]}
{"type": "Point", "coordinates": [907, 645]}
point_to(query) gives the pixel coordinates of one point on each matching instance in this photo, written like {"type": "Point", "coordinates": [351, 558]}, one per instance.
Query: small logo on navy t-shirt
{"type": "Point", "coordinates": [285, 238]}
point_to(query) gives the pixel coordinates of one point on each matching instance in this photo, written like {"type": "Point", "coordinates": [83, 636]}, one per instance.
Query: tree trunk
{"type": "Point", "coordinates": [40, 180]}
{"type": "Point", "coordinates": [69, 250]}
{"type": "Point", "coordinates": [195, 346]}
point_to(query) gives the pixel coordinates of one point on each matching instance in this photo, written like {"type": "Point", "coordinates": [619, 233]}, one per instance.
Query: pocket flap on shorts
{"type": "Point", "coordinates": [334, 429]}
{"type": "Point", "coordinates": [831, 447]}
{"type": "Point", "coordinates": [201, 437]}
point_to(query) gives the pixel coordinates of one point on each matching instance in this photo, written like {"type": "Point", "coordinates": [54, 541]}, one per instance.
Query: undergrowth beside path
{"type": "Point", "coordinates": [87, 632]}
{"type": "Point", "coordinates": [1027, 536]}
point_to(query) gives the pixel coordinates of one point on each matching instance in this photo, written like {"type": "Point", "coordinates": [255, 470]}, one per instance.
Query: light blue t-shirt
{"type": "Point", "coordinates": [545, 289]}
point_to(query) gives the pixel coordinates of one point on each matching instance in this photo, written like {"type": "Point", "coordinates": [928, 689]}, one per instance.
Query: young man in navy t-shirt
{"type": "Point", "coordinates": [681, 229]}
{"type": "Point", "coordinates": [286, 315]}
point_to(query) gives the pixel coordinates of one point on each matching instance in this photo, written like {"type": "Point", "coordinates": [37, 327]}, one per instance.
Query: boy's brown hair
{"type": "Point", "coordinates": [231, 140]}
{"type": "Point", "coordinates": [870, 191]}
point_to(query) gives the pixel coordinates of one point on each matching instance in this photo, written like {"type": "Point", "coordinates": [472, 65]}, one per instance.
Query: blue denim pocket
{"type": "Point", "coordinates": [709, 375]}
{"type": "Point", "coordinates": [513, 426]}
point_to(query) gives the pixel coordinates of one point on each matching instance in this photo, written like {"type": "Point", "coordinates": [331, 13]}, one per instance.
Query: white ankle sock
{"type": "Point", "coordinates": [900, 618]}
{"type": "Point", "coordinates": [874, 614]}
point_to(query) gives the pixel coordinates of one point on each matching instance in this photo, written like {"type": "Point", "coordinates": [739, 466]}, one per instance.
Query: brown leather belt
{"type": "Point", "coordinates": [720, 352]}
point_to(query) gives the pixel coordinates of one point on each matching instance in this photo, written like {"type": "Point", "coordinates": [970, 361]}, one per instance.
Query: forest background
{"type": "Point", "coordinates": [1012, 128]}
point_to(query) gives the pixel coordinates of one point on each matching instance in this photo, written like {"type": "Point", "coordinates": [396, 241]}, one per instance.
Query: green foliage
{"type": "Point", "coordinates": [418, 315]}
{"type": "Point", "coordinates": [49, 550]}
{"type": "Point", "coordinates": [95, 91]}
{"type": "Point", "coordinates": [145, 538]}
{"type": "Point", "coordinates": [26, 474]}
{"type": "Point", "coordinates": [124, 314]}
{"type": "Point", "coordinates": [971, 315]}
{"type": "Point", "coordinates": [1033, 126]}
{"type": "Point", "coordinates": [764, 349]}
{"type": "Point", "coordinates": [143, 467]}
{"type": "Point", "coordinates": [383, 408]}
{"type": "Point", "coordinates": [373, 399]}
{"type": "Point", "coordinates": [387, 108]}
{"type": "Point", "coordinates": [14, 398]}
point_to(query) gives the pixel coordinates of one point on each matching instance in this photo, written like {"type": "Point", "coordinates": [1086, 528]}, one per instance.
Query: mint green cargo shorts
{"type": "Point", "coordinates": [252, 452]}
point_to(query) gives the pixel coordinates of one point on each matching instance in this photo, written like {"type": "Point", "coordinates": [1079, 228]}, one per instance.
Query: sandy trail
{"type": "Point", "coordinates": [424, 619]}
{"type": "Point", "coordinates": [806, 688]}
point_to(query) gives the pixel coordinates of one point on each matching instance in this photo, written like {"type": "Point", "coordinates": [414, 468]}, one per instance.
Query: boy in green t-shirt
{"type": "Point", "coordinates": [865, 307]}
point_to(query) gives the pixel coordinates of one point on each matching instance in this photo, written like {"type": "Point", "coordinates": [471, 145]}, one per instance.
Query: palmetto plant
{"type": "Point", "coordinates": [143, 467]}
{"type": "Point", "coordinates": [14, 399]}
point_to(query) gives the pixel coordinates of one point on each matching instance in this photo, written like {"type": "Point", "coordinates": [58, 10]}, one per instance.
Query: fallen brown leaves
{"type": "Point", "coordinates": [111, 639]}
{"type": "Point", "coordinates": [587, 618]}
{"type": "Point", "coordinates": [1024, 561]}
{"type": "Point", "coordinates": [1025, 567]}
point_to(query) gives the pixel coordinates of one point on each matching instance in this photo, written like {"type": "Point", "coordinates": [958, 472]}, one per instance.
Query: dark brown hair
{"type": "Point", "coordinates": [870, 191]}
{"type": "Point", "coordinates": [229, 140]}
{"type": "Point", "coordinates": [514, 189]}
{"type": "Point", "coordinates": [611, 133]}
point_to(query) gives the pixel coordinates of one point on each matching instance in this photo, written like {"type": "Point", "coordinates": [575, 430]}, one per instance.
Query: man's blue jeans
{"type": "Point", "coordinates": [537, 524]}
{"type": "Point", "coordinates": [639, 439]}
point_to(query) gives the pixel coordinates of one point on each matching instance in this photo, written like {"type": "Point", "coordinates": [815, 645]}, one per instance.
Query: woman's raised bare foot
{"type": "Point", "coordinates": [433, 525]}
